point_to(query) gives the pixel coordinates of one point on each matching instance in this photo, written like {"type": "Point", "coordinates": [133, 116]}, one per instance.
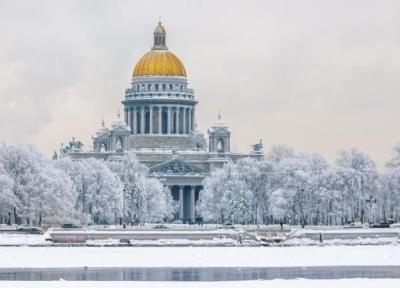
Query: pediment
{"type": "Point", "coordinates": [219, 130]}
{"type": "Point", "coordinates": [120, 129]}
{"type": "Point", "coordinates": [101, 135]}
{"type": "Point", "coordinates": [175, 166]}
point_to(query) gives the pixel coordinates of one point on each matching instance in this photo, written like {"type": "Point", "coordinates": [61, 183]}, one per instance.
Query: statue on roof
{"type": "Point", "coordinates": [257, 148]}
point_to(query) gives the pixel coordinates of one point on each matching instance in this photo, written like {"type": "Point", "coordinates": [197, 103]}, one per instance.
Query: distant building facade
{"type": "Point", "coordinates": [159, 125]}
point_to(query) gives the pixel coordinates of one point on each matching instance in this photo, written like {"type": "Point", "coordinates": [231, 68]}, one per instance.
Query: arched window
{"type": "Point", "coordinates": [103, 147]}
{"type": "Point", "coordinates": [220, 145]}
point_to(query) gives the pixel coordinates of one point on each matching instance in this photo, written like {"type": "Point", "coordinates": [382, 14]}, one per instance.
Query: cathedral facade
{"type": "Point", "coordinates": [159, 125]}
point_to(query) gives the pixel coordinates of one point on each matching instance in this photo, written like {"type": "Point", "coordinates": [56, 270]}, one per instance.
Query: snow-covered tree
{"type": "Point", "coordinates": [39, 189]}
{"type": "Point", "coordinates": [395, 161]}
{"type": "Point", "coordinates": [358, 178]}
{"type": "Point", "coordinates": [144, 198]}
{"type": "Point", "coordinates": [388, 201]}
{"type": "Point", "coordinates": [103, 193]}
{"type": "Point", "coordinates": [279, 152]}
{"type": "Point", "coordinates": [7, 198]}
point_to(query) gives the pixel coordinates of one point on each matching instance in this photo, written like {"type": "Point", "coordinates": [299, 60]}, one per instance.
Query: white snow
{"type": "Point", "coordinates": [164, 242]}
{"type": "Point", "coordinates": [301, 283]}
{"type": "Point", "coordinates": [23, 239]}
{"type": "Point", "coordinates": [337, 242]}
{"type": "Point", "coordinates": [329, 230]}
{"type": "Point", "coordinates": [155, 231]}
{"type": "Point", "coordinates": [198, 256]}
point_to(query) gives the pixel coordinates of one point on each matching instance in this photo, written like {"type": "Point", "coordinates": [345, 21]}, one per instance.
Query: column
{"type": "Point", "coordinates": [184, 120]}
{"type": "Point", "coordinates": [178, 123]}
{"type": "Point", "coordinates": [131, 117]}
{"type": "Point", "coordinates": [151, 120]}
{"type": "Point", "coordinates": [134, 124]}
{"type": "Point", "coordinates": [190, 120]}
{"type": "Point", "coordinates": [192, 203]}
{"type": "Point", "coordinates": [181, 202]}
{"type": "Point", "coordinates": [169, 120]}
{"type": "Point", "coordinates": [193, 119]}
{"type": "Point", "coordinates": [127, 117]}
{"type": "Point", "coordinates": [159, 120]}
{"type": "Point", "coordinates": [142, 120]}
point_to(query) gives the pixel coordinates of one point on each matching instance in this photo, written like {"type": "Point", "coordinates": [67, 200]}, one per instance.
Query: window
{"type": "Point", "coordinates": [220, 145]}
{"type": "Point", "coordinates": [156, 87]}
{"type": "Point", "coordinates": [163, 87]}
{"type": "Point", "coordinates": [118, 145]}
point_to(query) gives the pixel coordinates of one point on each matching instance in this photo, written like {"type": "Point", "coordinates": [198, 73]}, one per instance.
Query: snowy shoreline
{"type": "Point", "coordinates": [300, 283]}
{"type": "Point", "coordinates": [57, 257]}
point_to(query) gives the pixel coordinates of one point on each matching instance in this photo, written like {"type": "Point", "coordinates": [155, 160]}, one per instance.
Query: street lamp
{"type": "Point", "coordinates": [370, 201]}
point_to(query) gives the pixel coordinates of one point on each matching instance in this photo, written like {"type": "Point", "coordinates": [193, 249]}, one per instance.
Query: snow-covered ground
{"type": "Point", "coordinates": [23, 239]}
{"type": "Point", "coordinates": [198, 256]}
{"type": "Point", "coordinates": [341, 242]}
{"type": "Point", "coordinates": [166, 242]}
{"type": "Point", "coordinates": [301, 283]}
{"type": "Point", "coordinates": [299, 232]}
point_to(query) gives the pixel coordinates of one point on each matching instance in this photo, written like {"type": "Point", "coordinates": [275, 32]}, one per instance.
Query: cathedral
{"type": "Point", "coordinates": [159, 125]}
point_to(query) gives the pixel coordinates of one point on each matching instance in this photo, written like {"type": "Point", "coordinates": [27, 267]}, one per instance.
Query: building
{"type": "Point", "coordinates": [160, 127]}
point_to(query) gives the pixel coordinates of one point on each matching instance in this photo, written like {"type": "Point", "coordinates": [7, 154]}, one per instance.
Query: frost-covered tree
{"type": "Point", "coordinates": [7, 198]}
{"type": "Point", "coordinates": [237, 192]}
{"type": "Point", "coordinates": [299, 183]}
{"type": "Point", "coordinates": [97, 190]}
{"type": "Point", "coordinates": [80, 173]}
{"type": "Point", "coordinates": [144, 198]}
{"type": "Point", "coordinates": [40, 191]}
{"type": "Point", "coordinates": [279, 152]}
{"type": "Point", "coordinates": [103, 193]}
{"type": "Point", "coordinates": [358, 180]}
{"type": "Point", "coordinates": [215, 203]}
{"type": "Point", "coordinates": [258, 178]}
{"type": "Point", "coordinates": [158, 201]}
{"type": "Point", "coordinates": [388, 201]}
{"type": "Point", "coordinates": [395, 161]}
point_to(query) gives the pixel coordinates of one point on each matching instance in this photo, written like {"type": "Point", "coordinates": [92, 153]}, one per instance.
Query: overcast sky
{"type": "Point", "coordinates": [316, 75]}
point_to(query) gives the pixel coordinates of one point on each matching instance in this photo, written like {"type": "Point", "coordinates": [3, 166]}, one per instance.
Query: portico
{"type": "Point", "coordinates": [184, 182]}
{"type": "Point", "coordinates": [186, 196]}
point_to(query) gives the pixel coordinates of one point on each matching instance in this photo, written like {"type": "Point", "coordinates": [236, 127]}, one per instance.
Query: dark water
{"type": "Point", "coordinates": [197, 274]}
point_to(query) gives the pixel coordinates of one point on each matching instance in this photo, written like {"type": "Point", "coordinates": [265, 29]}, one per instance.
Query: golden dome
{"type": "Point", "coordinates": [159, 61]}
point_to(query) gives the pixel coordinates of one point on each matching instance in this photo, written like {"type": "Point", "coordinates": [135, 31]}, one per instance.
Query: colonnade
{"type": "Point", "coordinates": [186, 196]}
{"type": "Point", "coordinates": [160, 119]}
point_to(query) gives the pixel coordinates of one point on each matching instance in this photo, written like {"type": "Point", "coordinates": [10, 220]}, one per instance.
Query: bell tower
{"type": "Point", "coordinates": [219, 137]}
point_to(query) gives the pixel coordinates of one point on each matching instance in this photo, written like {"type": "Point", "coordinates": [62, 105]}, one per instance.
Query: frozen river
{"type": "Point", "coordinates": [198, 274]}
